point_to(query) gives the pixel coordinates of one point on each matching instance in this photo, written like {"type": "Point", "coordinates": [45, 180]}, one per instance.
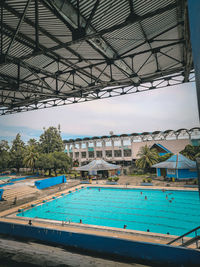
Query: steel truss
{"type": "Point", "coordinates": [36, 75]}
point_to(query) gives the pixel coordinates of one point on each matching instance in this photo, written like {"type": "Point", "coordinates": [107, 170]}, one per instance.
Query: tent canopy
{"type": "Point", "coordinates": [98, 165]}
{"type": "Point", "coordinates": [176, 162]}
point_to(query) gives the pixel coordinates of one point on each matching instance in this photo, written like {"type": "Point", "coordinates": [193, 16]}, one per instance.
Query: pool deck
{"type": "Point", "coordinates": [10, 216]}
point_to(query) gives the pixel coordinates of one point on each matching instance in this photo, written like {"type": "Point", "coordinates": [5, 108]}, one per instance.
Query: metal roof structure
{"type": "Point", "coordinates": [59, 52]}
{"type": "Point", "coordinates": [157, 135]}
{"type": "Point", "coordinates": [98, 165]}
{"type": "Point", "coordinates": [176, 162]}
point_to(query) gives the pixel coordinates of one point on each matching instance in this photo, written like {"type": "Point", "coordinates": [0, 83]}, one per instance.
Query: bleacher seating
{"type": "Point", "coordinates": [19, 193]}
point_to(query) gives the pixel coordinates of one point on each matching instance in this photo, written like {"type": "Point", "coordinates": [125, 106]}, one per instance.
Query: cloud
{"type": "Point", "coordinates": [168, 108]}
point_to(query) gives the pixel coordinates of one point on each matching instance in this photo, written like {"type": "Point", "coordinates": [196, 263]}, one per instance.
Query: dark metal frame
{"type": "Point", "coordinates": [33, 91]}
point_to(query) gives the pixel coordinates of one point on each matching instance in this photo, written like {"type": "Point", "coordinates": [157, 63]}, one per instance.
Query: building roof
{"type": "Point", "coordinates": [98, 165]}
{"type": "Point", "coordinates": [157, 134]}
{"type": "Point", "coordinates": [176, 162]}
{"type": "Point", "coordinates": [162, 147]}
{"type": "Point", "coordinates": [60, 52]}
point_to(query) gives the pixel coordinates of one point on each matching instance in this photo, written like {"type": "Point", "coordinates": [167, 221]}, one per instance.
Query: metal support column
{"type": "Point", "coordinates": [79, 158]}
{"type": "Point", "coordinates": [194, 11]}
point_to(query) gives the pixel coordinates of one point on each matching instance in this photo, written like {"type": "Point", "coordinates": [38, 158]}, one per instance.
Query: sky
{"type": "Point", "coordinates": [172, 107]}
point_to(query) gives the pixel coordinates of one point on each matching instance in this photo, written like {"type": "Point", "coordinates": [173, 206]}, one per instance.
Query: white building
{"type": "Point", "coordinates": [123, 149]}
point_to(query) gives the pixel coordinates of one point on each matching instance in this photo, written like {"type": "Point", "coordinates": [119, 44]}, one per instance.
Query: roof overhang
{"type": "Point", "coordinates": [59, 52]}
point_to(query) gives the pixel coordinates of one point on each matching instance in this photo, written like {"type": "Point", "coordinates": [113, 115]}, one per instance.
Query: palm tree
{"type": "Point", "coordinates": [147, 157]}
{"type": "Point", "coordinates": [30, 157]}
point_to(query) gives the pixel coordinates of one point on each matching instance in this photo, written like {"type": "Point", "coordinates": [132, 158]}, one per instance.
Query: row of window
{"type": "Point", "coordinates": [99, 154]}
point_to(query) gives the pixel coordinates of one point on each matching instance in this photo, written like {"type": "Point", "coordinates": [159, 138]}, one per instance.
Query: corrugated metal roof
{"type": "Point", "coordinates": [98, 165]}
{"type": "Point", "coordinates": [126, 43]}
{"type": "Point", "coordinates": [176, 162]}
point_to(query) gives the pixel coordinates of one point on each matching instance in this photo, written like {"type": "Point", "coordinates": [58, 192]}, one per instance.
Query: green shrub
{"type": "Point", "coordinates": [116, 179]}
{"type": "Point", "coordinates": [149, 180]}
{"type": "Point", "coordinates": [144, 180]}
{"type": "Point", "coordinates": [110, 179]}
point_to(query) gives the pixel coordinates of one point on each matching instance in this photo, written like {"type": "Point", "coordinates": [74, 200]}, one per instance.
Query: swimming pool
{"type": "Point", "coordinates": [172, 212]}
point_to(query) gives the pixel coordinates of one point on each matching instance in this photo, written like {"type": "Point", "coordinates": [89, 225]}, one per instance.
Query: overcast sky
{"type": "Point", "coordinates": [168, 108]}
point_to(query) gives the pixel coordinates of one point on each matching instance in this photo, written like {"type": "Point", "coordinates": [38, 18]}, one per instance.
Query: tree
{"type": "Point", "coordinates": [17, 152]}
{"type": "Point", "coordinates": [31, 156]}
{"type": "Point", "coordinates": [34, 143]}
{"type": "Point", "coordinates": [147, 157]}
{"type": "Point", "coordinates": [54, 161]}
{"type": "Point", "coordinates": [164, 157]}
{"type": "Point", "coordinates": [191, 152]}
{"type": "Point", "coordinates": [61, 161]}
{"type": "Point", "coordinates": [51, 141]}
{"type": "Point", "coordinates": [45, 162]}
{"type": "Point", "coordinates": [4, 155]}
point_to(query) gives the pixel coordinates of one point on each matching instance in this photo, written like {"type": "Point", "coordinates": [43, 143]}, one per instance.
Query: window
{"type": "Point", "coordinates": [99, 154]}
{"type": "Point", "coordinates": [71, 154]}
{"type": "Point", "coordinates": [117, 143]}
{"type": "Point", "coordinates": [98, 144]}
{"type": "Point", "coordinates": [127, 142]}
{"type": "Point", "coordinates": [127, 152]}
{"type": "Point", "coordinates": [117, 153]}
{"type": "Point", "coordinates": [91, 144]}
{"type": "Point", "coordinates": [91, 154]}
{"type": "Point", "coordinates": [76, 154]}
{"type": "Point", "coordinates": [171, 171]}
{"type": "Point", "coordinates": [83, 154]}
{"type": "Point", "coordinates": [109, 153]}
{"type": "Point", "coordinates": [108, 143]}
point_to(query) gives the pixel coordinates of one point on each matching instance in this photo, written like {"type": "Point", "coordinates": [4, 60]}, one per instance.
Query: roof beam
{"type": "Point", "coordinates": [18, 26]}
{"type": "Point", "coordinates": [42, 30]}
{"type": "Point", "coordinates": [2, 5]}
{"type": "Point", "coordinates": [130, 20]}
{"type": "Point", "coordinates": [70, 14]}
{"type": "Point", "coordinates": [25, 40]}
{"type": "Point", "coordinates": [89, 20]}
{"type": "Point", "coordinates": [187, 52]}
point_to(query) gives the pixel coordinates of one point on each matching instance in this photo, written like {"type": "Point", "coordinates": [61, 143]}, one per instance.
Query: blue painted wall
{"type": "Point", "coordinates": [179, 174]}
{"type": "Point", "coordinates": [187, 174]}
{"type": "Point", "coordinates": [151, 252]}
{"type": "Point", "coordinates": [2, 185]}
{"type": "Point", "coordinates": [1, 194]}
{"type": "Point", "coordinates": [41, 184]}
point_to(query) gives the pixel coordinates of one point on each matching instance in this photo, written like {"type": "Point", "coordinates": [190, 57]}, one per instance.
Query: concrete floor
{"type": "Point", "coordinates": [15, 253]}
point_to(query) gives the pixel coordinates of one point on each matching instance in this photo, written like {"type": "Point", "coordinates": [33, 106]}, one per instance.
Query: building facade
{"type": "Point", "coordinates": [123, 149]}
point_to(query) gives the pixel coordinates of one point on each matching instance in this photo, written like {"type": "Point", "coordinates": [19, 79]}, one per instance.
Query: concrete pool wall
{"type": "Point", "coordinates": [151, 252]}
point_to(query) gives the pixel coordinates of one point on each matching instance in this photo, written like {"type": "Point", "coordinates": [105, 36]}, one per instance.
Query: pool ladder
{"type": "Point", "coordinates": [190, 241]}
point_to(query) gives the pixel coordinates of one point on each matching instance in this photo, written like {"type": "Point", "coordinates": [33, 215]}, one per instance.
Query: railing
{"type": "Point", "coordinates": [188, 242]}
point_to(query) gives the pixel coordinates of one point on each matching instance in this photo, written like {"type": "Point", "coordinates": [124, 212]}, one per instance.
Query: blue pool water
{"type": "Point", "coordinates": [175, 214]}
